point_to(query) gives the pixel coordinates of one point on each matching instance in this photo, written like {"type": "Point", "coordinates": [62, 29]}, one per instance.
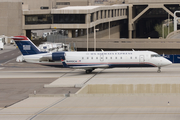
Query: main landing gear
{"type": "Point", "coordinates": [159, 69]}
{"type": "Point", "coordinates": [88, 71]}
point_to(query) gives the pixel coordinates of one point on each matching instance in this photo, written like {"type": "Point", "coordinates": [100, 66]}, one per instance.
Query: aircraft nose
{"type": "Point", "coordinates": [167, 62]}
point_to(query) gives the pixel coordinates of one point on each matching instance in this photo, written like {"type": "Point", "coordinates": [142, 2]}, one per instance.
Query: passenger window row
{"type": "Point", "coordinates": [105, 58]}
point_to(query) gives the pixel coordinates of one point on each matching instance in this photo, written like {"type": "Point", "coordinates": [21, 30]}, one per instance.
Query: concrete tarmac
{"type": "Point", "coordinates": [18, 80]}
{"type": "Point", "coordinates": [8, 48]}
{"type": "Point", "coordinates": [169, 75]}
{"type": "Point", "coordinates": [97, 107]}
{"type": "Point", "coordinates": [8, 56]}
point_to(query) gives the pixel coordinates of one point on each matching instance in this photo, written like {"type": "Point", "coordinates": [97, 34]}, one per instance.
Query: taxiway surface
{"type": "Point", "coordinates": [18, 101]}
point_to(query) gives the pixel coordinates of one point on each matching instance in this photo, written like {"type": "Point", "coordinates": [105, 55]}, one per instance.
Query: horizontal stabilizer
{"type": "Point", "coordinates": [17, 38]}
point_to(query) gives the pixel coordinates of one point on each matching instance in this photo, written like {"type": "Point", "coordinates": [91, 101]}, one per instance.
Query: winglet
{"type": "Point", "coordinates": [64, 64]}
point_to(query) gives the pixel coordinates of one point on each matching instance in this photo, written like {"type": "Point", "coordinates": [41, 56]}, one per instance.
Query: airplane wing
{"type": "Point", "coordinates": [84, 67]}
{"type": "Point", "coordinates": [89, 67]}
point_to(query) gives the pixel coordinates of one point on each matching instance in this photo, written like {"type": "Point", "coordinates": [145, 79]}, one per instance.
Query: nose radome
{"type": "Point", "coordinates": [167, 62]}
{"type": "Point", "coordinates": [170, 62]}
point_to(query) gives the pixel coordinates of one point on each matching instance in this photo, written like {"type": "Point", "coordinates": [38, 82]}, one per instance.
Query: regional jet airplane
{"type": "Point", "coordinates": [89, 61]}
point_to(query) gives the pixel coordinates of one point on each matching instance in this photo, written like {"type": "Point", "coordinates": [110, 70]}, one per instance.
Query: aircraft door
{"type": "Point", "coordinates": [141, 59]}
{"type": "Point", "coordinates": [101, 57]}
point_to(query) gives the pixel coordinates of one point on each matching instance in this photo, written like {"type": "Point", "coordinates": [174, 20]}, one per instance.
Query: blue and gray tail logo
{"type": "Point", "coordinates": [25, 45]}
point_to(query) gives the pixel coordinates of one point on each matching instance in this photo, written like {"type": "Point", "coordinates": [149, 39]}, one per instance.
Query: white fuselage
{"type": "Point", "coordinates": [109, 58]}
{"type": "Point", "coordinates": [117, 59]}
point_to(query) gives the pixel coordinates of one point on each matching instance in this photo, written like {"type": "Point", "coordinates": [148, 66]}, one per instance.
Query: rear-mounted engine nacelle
{"type": "Point", "coordinates": [58, 56]}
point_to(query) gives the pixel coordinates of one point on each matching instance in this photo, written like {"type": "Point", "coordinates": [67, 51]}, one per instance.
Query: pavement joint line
{"type": "Point", "coordinates": [66, 73]}
{"type": "Point", "coordinates": [43, 110]}
{"type": "Point", "coordinates": [143, 107]}
{"type": "Point", "coordinates": [39, 71]}
{"type": "Point", "coordinates": [95, 114]}
{"type": "Point", "coordinates": [62, 75]}
{"type": "Point", "coordinates": [8, 61]}
{"type": "Point", "coordinates": [92, 76]}
{"type": "Point", "coordinates": [26, 77]}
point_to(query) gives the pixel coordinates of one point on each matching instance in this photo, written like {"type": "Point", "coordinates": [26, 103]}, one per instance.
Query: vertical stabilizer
{"type": "Point", "coordinates": [25, 45]}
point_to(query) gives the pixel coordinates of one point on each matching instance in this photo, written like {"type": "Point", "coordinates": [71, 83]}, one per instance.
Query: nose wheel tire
{"type": "Point", "coordinates": [159, 69]}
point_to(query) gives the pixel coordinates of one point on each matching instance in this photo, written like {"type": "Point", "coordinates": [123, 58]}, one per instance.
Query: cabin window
{"type": "Point", "coordinates": [111, 57]}
{"type": "Point", "coordinates": [106, 57]}
{"type": "Point", "coordinates": [96, 57]}
{"type": "Point", "coordinates": [121, 57]}
{"type": "Point", "coordinates": [87, 58]}
{"type": "Point", "coordinates": [91, 57]}
{"type": "Point", "coordinates": [130, 57]}
{"type": "Point", "coordinates": [116, 57]}
{"type": "Point", "coordinates": [82, 58]}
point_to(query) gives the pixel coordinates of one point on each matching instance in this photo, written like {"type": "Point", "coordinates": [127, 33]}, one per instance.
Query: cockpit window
{"type": "Point", "coordinates": [155, 55]}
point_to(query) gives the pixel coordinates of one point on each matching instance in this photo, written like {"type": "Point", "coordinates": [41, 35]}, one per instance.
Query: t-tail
{"type": "Point", "coordinates": [25, 45]}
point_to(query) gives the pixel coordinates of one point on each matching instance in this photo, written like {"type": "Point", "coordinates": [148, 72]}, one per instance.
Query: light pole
{"type": "Point", "coordinates": [87, 31]}
{"type": "Point", "coordinates": [168, 23]}
{"type": "Point", "coordinates": [109, 29]}
{"type": "Point", "coordinates": [163, 30]}
{"type": "Point", "coordinates": [95, 37]}
{"type": "Point", "coordinates": [87, 34]}
{"type": "Point", "coordinates": [175, 20]}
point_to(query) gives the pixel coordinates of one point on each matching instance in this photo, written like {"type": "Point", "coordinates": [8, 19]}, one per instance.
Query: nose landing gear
{"type": "Point", "coordinates": [159, 69]}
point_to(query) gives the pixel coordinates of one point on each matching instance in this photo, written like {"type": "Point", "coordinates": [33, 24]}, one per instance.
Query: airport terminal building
{"type": "Point", "coordinates": [115, 23]}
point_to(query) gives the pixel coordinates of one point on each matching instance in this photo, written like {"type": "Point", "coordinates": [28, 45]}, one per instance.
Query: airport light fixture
{"type": "Point", "coordinates": [109, 29]}
{"type": "Point", "coordinates": [168, 23]}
